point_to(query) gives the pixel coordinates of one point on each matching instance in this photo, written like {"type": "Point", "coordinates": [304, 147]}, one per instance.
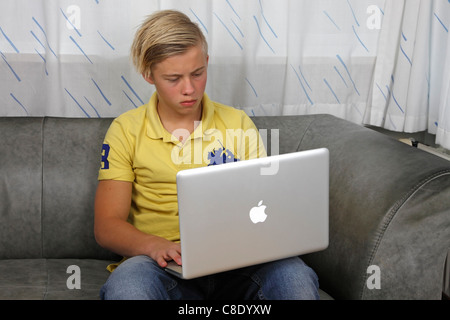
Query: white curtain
{"type": "Point", "coordinates": [439, 118]}
{"type": "Point", "coordinates": [379, 62]}
{"type": "Point", "coordinates": [411, 78]}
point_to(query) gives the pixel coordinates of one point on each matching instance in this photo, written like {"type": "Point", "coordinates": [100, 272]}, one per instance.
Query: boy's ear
{"type": "Point", "coordinates": [148, 77]}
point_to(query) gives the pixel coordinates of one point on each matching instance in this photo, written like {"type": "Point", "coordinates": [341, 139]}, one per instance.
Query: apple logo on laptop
{"type": "Point", "coordinates": [257, 214]}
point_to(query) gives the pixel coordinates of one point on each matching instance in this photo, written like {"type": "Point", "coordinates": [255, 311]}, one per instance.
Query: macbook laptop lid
{"type": "Point", "coordinates": [250, 212]}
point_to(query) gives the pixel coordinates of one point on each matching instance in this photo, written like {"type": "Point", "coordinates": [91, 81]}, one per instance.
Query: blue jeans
{"type": "Point", "coordinates": [141, 278]}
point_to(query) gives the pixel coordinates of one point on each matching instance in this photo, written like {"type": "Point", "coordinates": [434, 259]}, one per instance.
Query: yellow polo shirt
{"type": "Point", "coordinates": [138, 149]}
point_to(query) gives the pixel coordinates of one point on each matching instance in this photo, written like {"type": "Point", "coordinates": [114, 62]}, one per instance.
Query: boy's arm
{"type": "Point", "coordinates": [113, 232]}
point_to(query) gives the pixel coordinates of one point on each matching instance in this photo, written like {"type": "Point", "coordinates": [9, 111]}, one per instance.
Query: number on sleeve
{"type": "Point", "coordinates": [105, 153]}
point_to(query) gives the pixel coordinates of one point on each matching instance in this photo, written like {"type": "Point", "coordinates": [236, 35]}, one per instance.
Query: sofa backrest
{"type": "Point", "coordinates": [71, 160]}
{"type": "Point", "coordinates": [48, 177]}
{"type": "Point", "coordinates": [20, 187]}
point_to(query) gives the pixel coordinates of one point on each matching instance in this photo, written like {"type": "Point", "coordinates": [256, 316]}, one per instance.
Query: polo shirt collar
{"type": "Point", "coordinates": [155, 129]}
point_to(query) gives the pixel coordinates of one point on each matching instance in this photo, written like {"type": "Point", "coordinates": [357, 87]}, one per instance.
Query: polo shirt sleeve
{"type": "Point", "coordinates": [116, 156]}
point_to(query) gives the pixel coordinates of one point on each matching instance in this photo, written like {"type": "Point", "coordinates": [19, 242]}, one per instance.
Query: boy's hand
{"type": "Point", "coordinates": [164, 251]}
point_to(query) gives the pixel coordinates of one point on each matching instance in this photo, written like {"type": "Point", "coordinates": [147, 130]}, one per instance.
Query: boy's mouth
{"type": "Point", "coordinates": [188, 103]}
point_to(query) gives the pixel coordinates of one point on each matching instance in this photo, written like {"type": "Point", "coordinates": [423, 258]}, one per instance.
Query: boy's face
{"type": "Point", "coordinates": [180, 82]}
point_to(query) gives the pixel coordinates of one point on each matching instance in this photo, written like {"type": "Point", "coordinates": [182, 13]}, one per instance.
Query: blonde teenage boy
{"type": "Point", "coordinates": [136, 214]}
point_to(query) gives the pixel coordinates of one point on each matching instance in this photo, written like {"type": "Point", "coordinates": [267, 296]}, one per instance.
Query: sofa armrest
{"type": "Point", "coordinates": [389, 208]}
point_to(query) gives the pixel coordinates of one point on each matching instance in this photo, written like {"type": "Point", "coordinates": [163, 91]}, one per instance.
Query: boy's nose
{"type": "Point", "coordinates": [188, 87]}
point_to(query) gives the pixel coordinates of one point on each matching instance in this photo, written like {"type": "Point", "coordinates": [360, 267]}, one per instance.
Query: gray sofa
{"type": "Point", "coordinates": [389, 209]}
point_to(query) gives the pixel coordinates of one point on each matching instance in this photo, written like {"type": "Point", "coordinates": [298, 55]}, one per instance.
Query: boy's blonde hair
{"type": "Point", "coordinates": [164, 34]}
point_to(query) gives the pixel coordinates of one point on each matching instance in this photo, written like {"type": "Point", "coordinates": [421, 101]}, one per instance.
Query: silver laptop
{"type": "Point", "coordinates": [245, 213]}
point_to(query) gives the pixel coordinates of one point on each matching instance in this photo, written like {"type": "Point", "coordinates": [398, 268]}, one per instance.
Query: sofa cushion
{"type": "Point", "coordinates": [46, 279]}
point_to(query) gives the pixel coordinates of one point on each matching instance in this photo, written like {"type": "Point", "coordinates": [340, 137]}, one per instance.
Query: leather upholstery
{"type": "Point", "coordinates": [20, 187]}
{"type": "Point", "coordinates": [389, 206]}
{"type": "Point", "coordinates": [71, 158]}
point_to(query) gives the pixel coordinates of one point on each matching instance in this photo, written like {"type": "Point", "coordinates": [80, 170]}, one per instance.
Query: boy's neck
{"type": "Point", "coordinates": [186, 123]}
